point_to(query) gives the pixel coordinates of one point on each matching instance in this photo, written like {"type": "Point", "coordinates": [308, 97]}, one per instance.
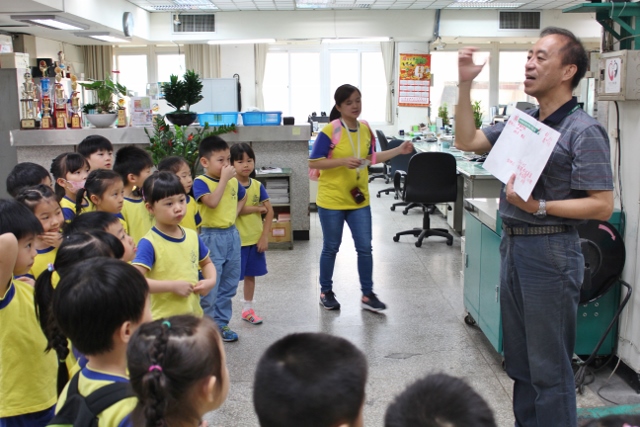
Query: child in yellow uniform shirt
{"type": "Point", "coordinates": [134, 166]}
{"type": "Point", "coordinates": [105, 189]}
{"type": "Point", "coordinates": [179, 166]}
{"type": "Point", "coordinates": [221, 197]}
{"type": "Point", "coordinates": [26, 174]}
{"type": "Point", "coordinates": [170, 255]}
{"type": "Point", "coordinates": [254, 232]}
{"type": "Point", "coordinates": [98, 151]}
{"type": "Point", "coordinates": [70, 171]}
{"type": "Point", "coordinates": [41, 200]}
{"type": "Point", "coordinates": [99, 304]}
{"type": "Point", "coordinates": [27, 373]}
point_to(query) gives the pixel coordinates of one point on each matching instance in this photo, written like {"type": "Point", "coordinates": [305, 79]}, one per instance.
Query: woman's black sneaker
{"type": "Point", "coordinates": [328, 301]}
{"type": "Point", "coordinates": [372, 303]}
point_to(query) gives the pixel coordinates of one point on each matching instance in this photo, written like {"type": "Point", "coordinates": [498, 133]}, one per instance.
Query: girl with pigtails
{"type": "Point", "coordinates": [177, 369]}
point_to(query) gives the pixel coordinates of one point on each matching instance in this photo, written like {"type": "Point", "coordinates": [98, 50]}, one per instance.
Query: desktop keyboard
{"type": "Point", "coordinates": [475, 158]}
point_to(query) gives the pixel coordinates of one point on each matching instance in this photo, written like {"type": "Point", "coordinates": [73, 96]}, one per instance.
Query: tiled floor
{"type": "Point", "coordinates": [421, 332]}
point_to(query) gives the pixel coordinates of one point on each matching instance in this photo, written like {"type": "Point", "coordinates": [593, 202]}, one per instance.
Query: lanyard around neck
{"type": "Point", "coordinates": [357, 154]}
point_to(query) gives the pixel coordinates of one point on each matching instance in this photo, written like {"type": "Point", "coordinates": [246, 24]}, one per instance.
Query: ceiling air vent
{"type": "Point", "coordinates": [519, 20]}
{"type": "Point", "coordinates": [196, 23]}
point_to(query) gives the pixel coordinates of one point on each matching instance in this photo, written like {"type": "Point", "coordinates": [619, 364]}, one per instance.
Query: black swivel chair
{"type": "Point", "coordinates": [431, 178]}
{"type": "Point", "coordinates": [384, 146]}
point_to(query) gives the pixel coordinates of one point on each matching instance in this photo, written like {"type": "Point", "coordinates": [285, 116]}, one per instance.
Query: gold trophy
{"type": "Point", "coordinates": [75, 104]}
{"type": "Point", "coordinates": [29, 105]}
{"type": "Point", "coordinates": [60, 102]}
{"type": "Point", "coordinates": [122, 113]}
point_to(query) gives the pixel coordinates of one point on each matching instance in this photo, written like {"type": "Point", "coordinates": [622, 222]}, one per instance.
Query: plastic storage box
{"type": "Point", "coordinates": [262, 118]}
{"type": "Point", "coordinates": [218, 119]}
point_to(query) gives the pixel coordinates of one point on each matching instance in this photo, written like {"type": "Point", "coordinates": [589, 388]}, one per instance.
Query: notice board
{"type": "Point", "coordinates": [415, 80]}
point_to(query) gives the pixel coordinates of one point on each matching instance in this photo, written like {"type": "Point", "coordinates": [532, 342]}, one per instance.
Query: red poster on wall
{"type": "Point", "coordinates": [415, 80]}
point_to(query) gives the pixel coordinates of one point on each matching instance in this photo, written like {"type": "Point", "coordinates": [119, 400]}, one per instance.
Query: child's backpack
{"type": "Point", "coordinates": [81, 411]}
{"type": "Point", "coordinates": [336, 134]}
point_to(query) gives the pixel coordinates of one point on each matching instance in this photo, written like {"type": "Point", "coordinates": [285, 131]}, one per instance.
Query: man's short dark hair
{"type": "Point", "coordinates": [24, 175]}
{"type": "Point", "coordinates": [131, 159]}
{"type": "Point", "coordinates": [93, 144]}
{"type": "Point", "coordinates": [311, 380]}
{"type": "Point", "coordinates": [573, 52]}
{"type": "Point", "coordinates": [212, 144]}
{"type": "Point", "coordinates": [439, 400]}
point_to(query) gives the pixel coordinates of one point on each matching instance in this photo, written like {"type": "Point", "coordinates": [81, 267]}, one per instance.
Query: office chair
{"type": "Point", "coordinates": [431, 178]}
{"type": "Point", "coordinates": [384, 146]}
{"type": "Point", "coordinates": [400, 162]}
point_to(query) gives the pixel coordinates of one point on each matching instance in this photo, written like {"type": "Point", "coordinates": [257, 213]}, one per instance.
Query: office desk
{"type": "Point", "coordinates": [474, 182]}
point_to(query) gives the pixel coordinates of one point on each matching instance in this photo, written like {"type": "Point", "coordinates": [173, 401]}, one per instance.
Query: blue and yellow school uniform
{"type": "Point", "coordinates": [170, 258]}
{"type": "Point", "coordinates": [192, 219]}
{"type": "Point", "coordinates": [27, 373]}
{"type": "Point", "coordinates": [124, 223]}
{"type": "Point", "coordinates": [42, 260]}
{"type": "Point", "coordinates": [250, 226]}
{"type": "Point", "coordinates": [138, 218]}
{"type": "Point", "coordinates": [91, 380]}
{"type": "Point", "coordinates": [221, 236]}
{"type": "Point", "coordinates": [69, 208]}
{"type": "Point", "coordinates": [335, 184]}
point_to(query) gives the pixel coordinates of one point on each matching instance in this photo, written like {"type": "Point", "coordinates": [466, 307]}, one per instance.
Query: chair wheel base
{"type": "Point", "coordinates": [393, 208]}
{"type": "Point", "coordinates": [418, 244]}
{"type": "Point", "coordinates": [396, 238]}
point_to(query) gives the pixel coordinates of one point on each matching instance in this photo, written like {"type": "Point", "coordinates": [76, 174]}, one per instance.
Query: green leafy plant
{"type": "Point", "coordinates": [477, 113]}
{"type": "Point", "coordinates": [186, 92]}
{"type": "Point", "coordinates": [105, 90]}
{"type": "Point", "coordinates": [168, 140]}
{"type": "Point", "coordinates": [443, 113]}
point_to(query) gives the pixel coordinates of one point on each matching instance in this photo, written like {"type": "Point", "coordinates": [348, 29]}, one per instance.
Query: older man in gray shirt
{"type": "Point", "coordinates": [542, 266]}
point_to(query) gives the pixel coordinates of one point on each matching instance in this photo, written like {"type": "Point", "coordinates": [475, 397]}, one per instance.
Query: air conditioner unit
{"type": "Point", "coordinates": [194, 23]}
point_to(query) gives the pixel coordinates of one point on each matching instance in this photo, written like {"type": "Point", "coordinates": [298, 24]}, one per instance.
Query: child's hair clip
{"type": "Point", "coordinates": [167, 324]}
{"type": "Point", "coordinates": [51, 268]}
{"type": "Point", "coordinates": [155, 368]}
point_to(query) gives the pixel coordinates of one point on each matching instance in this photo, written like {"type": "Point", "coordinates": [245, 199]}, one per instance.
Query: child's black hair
{"type": "Point", "coordinates": [23, 175]}
{"type": "Point", "coordinates": [17, 219]}
{"type": "Point", "coordinates": [161, 185]}
{"type": "Point", "coordinates": [186, 349]}
{"type": "Point", "coordinates": [131, 160]}
{"type": "Point", "coordinates": [211, 144]}
{"type": "Point", "coordinates": [97, 183]}
{"type": "Point", "coordinates": [62, 165]}
{"type": "Point", "coordinates": [92, 144]}
{"type": "Point", "coordinates": [32, 196]}
{"type": "Point", "coordinates": [439, 400]}
{"type": "Point", "coordinates": [172, 164]}
{"type": "Point", "coordinates": [89, 221]}
{"type": "Point", "coordinates": [73, 249]}
{"type": "Point", "coordinates": [310, 379]}
{"type": "Point", "coordinates": [237, 151]}
{"type": "Point", "coordinates": [94, 298]}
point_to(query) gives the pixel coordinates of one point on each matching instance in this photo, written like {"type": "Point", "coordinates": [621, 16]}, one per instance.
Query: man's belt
{"type": "Point", "coordinates": [536, 230]}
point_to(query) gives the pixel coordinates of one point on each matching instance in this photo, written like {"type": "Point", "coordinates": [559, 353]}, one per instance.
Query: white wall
{"type": "Point", "coordinates": [629, 327]}
{"type": "Point", "coordinates": [239, 59]}
{"type": "Point", "coordinates": [110, 13]}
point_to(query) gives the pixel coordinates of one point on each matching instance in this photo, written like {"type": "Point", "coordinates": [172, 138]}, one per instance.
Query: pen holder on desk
{"type": "Point", "coordinates": [445, 145]}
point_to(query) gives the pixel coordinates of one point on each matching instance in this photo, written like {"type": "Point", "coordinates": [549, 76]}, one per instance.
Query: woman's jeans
{"type": "Point", "coordinates": [540, 285]}
{"type": "Point", "coordinates": [332, 222]}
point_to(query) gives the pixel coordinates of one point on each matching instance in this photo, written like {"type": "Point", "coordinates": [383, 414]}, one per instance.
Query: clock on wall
{"type": "Point", "coordinates": [127, 24]}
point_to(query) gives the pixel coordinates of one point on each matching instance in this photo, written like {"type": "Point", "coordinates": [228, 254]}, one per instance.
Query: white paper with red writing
{"type": "Point", "coordinates": [523, 149]}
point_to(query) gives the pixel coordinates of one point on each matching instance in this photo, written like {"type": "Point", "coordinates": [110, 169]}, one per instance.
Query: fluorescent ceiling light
{"type": "Point", "coordinates": [50, 21]}
{"type": "Point", "coordinates": [192, 2]}
{"type": "Point", "coordinates": [361, 40]}
{"type": "Point", "coordinates": [472, 5]}
{"type": "Point", "coordinates": [246, 41]}
{"type": "Point", "coordinates": [102, 36]}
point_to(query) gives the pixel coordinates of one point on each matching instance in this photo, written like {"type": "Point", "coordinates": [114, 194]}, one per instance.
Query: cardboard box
{"type": "Point", "coordinates": [14, 60]}
{"type": "Point", "coordinates": [280, 232]}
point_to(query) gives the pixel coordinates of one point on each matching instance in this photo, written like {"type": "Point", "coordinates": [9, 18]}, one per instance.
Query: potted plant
{"type": "Point", "coordinates": [443, 113]}
{"type": "Point", "coordinates": [102, 113]}
{"type": "Point", "coordinates": [175, 141]}
{"type": "Point", "coordinates": [181, 94]}
{"type": "Point", "coordinates": [477, 113]}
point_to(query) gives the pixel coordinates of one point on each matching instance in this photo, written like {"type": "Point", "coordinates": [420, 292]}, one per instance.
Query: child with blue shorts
{"type": "Point", "coordinates": [221, 198]}
{"type": "Point", "coordinates": [254, 234]}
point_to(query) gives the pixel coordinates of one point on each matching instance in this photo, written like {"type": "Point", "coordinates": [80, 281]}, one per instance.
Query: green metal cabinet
{"type": "Point", "coordinates": [482, 292]}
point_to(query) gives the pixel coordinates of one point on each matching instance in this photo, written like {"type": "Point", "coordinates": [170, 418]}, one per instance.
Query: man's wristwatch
{"type": "Point", "coordinates": [542, 209]}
